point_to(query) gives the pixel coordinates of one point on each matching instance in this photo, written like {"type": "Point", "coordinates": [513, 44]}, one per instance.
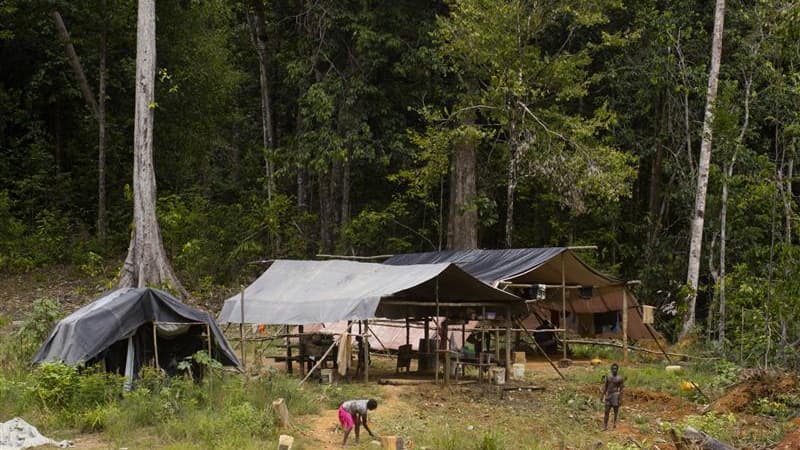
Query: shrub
{"type": "Point", "coordinates": [54, 384]}
{"type": "Point", "coordinates": [44, 313]}
{"type": "Point", "coordinates": [720, 426]}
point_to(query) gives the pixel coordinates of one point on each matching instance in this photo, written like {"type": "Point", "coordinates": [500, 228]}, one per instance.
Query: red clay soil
{"type": "Point", "coordinates": [792, 440]}
{"type": "Point", "coordinates": [756, 385]}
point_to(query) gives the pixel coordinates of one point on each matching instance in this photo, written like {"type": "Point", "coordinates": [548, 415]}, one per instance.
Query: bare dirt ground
{"type": "Point", "coordinates": [63, 283]}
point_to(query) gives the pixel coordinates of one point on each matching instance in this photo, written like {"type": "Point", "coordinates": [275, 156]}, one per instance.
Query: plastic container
{"type": "Point", "coordinates": [498, 375]}
{"type": "Point", "coordinates": [518, 371]}
{"type": "Point", "coordinates": [326, 376]}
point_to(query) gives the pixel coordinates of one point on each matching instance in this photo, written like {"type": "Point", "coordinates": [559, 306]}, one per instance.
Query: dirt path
{"type": "Point", "coordinates": [322, 431]}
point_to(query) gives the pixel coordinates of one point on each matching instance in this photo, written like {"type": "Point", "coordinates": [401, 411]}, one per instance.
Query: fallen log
{"type": "Point", "coordinates": [636, 349]}
{"type": "Point", "coordinates": [694, 439]}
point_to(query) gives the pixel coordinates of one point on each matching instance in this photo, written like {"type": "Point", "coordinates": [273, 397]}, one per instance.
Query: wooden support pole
{"type": "Point", "coordinates": [288, 352]}
{"type": "Point", "coordinates": [365, 354]}
{"type": "Point", "coordinates": [624, 325]}
{"type": "Point", "coordinates": [321, 360]}
{"type": "Point", "coordinates": [444, 335]}
{"type": "Point", "coordinates": [155, 345]}
{"type": "Point", "coordinates": [533, 338]}
{"type": "Point", "coordinates": [438, 334]}
{"type": "Point", "coordinates": [497, 345]}
{"type": "Point", "coordinates": [408, 332]}
{"type": "Point", "coordinates": [508, 342]}
{"type": "Point", "coordinates": [483, 333]}
{"type": "Point", "coordinates": [241, 332]}
{"type": "Point", "coordinates": [301, 351]}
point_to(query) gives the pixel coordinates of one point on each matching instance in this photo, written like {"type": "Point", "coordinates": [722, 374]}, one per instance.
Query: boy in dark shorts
{"type": "Point", "coordinates": [612, 395]}
{"type": "Point", "coordinates": [354, 413]}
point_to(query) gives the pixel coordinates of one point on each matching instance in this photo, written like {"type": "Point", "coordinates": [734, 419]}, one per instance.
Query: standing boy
{"type": "Point", "coordinates": [354, 412]}
{"type": "Point", "coordinates": [612, 395]}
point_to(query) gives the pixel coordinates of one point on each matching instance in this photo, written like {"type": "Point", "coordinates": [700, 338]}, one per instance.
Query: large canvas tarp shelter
{"type": "Point", "coordinates": [117, 328]}
{"type": "Point", "coordinates": [590, 293]}
{"type": "Point", "coordinates": [304, 292]}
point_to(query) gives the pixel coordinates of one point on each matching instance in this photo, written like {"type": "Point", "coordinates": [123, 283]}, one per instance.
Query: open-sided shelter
{"type": "Point", "coordinates": [292, 292]}
{"type": "Point", "coordinates": [128, 328]}
{"type": "Point", "coordinates": [593, 301]}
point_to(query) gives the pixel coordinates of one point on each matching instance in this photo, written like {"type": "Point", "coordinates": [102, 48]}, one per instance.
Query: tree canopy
{"type": "Point", "coordinates": [582, 122]}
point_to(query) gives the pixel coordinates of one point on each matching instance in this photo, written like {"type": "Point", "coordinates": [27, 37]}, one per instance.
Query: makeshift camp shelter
{"type": "Point", "coordinates": [303, 292]}
{"type": "Point", "coordinates": [294, 292]}
{"type": "Point", "coordinates": [128, 328]}
{"type": "Point", "coordinates": [578, 295]}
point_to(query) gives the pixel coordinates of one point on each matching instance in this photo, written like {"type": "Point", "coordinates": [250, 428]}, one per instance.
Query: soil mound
{"type": "Point", "coordinates": [755, 385]}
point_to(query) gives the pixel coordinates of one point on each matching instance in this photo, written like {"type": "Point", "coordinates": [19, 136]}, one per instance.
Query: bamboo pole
{"type": "Point", "coordinates": [321, 360]}
{"type": "Point", "coordinates": [155, 345]}
{"type": "Point", "coordinates": [533, 338]}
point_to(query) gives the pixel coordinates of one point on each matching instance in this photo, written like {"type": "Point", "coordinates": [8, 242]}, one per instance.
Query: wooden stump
{"type": "Point", "coordinates": [281, 412]}
{"type": "Point", "coordinates": [392, 443]}
{"type": "Point", "coordinates": [285, 442]}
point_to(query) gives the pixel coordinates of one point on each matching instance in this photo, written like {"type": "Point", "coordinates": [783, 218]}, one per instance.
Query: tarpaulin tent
{"type": "Point", "coordinates": [118, 329]}
{"type": "Point", "coordinates": [590, 293]}
{"type": "Point", "coordinates": [305, 292]}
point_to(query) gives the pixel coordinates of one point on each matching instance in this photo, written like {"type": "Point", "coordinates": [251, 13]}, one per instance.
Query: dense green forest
{"type": "Point", "coordinates": [284, 129]}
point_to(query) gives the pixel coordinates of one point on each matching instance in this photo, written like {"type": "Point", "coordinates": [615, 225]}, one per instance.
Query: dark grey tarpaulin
{"type": "Point", "coordinates": [89, 332]}
{"type": "Point", "coordinates": [303, 292]}
{"type": "Point", "coordinates": [515, 265]}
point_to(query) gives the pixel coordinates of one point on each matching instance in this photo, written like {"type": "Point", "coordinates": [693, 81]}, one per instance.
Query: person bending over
{"type": "Point", "coordinates": [354, 413]}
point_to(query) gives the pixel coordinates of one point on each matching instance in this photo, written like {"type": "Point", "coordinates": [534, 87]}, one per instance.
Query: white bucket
{"type": "Point", "coordinates": [518, 371]}
{"type": "Point", "coordinates": [498, 375]}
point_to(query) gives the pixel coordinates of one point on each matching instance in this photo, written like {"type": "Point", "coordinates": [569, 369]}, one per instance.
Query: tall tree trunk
{"type": "Point", "coordinates": [462, 223]}
{"type": "Point", "coordinates": [259, 37]}
{"type": "Point", "coordinates": [75, 63]}
{"type": "Point", "coordinates": [147, 261]}
{"type": "Point", "coordinates": [695, 246]}
{"type": "Point", "coordinates": [98, 108]}
{"type": "Point", "coordinates": [102, 217]}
